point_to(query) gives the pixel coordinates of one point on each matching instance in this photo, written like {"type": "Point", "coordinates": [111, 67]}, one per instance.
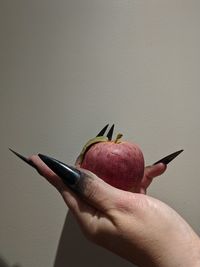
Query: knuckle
{"type": "Point", "coordinates": [92, 232]}
{"type": "Point", "coordinates": [92, 235]}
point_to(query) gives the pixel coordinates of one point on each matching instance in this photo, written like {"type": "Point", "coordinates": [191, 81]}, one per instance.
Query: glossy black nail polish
{"type": "Point", "coordinates": [110, 133]}
{"type": "Point", "coordinates": [68, 174]}
{"type": "Point", "coordinates": [102, 132]}
{"type": "Point", "coordinates": [29, 162]}
{"type": "Point", "coordinates": [166, 160]}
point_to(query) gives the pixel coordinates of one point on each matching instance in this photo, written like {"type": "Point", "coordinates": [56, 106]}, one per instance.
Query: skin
{"type": "Point", "coordinates": [137, 227]}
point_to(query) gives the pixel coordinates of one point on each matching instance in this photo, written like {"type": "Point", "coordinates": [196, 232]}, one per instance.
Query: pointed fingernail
{"type": "Point", "coordinates": [166, 160]}
{"type": "Point", "coordinates": [102, 132]}
{"type": "Point", "coordinates": [29, 162]}
{"type": "Point", "coordinates": [110, 133]}
{"type": "Point", "coordinates": [69, 175]}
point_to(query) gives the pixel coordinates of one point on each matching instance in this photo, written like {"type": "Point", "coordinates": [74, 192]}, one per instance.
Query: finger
{"type": "Point", "coordinates": [153, 171]}
{"type": "Point", "coordinates": [47, 172]}
{"type": "Point", "coordinates": [150, 173]}
{"type": "Point", "coordinates": [98, 193]}
{"type": "Point", "coordinates": [87, 185]}
{"type": "Point", "coordinates": [89, 217]}
{"type": "Point", "coordinates": [82, 210]}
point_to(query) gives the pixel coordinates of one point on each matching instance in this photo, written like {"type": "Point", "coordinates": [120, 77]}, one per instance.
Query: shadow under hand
{"type": "Point", "coordinates": [74, 250]}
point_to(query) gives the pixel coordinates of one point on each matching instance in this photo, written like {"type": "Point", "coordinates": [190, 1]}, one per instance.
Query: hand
{"type": "Point", "coordinates": [150, 173]}
{"type": "Point", "coordinates": [135, 226]}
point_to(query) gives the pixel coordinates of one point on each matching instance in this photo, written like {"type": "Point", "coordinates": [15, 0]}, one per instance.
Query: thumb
{"type": "Point", "coordinates": [153, 171]}
{"type": "Point", "coordinates": [96, 192]}
{"type": "Point", "coordinates": [150, 173]}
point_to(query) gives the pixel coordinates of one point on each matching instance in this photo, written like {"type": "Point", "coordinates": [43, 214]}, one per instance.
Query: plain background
{"type": "Point", "coordinates": [69, 67]}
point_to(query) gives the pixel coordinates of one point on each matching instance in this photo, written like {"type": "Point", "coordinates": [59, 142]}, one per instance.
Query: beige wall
{"type": "Point", "coordinates": [69, 67]}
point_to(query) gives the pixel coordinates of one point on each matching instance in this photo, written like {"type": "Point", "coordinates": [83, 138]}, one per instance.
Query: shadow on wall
{"type": "Point", "coordinates": [3, 263]}
{"type": "Point", "coordinates": [74, 250]}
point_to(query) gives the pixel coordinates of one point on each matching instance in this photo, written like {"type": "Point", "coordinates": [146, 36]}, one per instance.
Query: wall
{"type": "Point", "coordinates": [69, 67]}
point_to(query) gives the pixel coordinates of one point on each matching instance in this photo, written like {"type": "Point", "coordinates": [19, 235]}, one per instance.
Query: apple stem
{"type": "Point", "coordinates": [119, 136]}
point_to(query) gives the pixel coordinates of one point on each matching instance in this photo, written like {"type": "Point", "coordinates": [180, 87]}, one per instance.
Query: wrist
{"type": "Point", "coordinates": [183, 253]}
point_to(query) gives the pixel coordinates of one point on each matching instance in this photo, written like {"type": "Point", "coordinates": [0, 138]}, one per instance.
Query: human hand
{"type": "Point", "coordinates": [150, 172]}
{"type": "Point", "coordinates": [135, 226]}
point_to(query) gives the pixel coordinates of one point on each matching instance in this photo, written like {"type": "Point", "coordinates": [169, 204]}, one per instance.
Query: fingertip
{"type": "Point", "coordinates": [42, 167]}
{"type": "Point", "coordinates": [161, 166]}
{"type": "Point", "coordinates": [155, 170]}
{"type": "Point", "coordinates": [47, 173]}
{"type": "Point", "coordinates": [36, 160]}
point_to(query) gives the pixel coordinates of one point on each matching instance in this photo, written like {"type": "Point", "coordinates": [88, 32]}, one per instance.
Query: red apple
{"type": "Point", "coordinates": [119, 163]}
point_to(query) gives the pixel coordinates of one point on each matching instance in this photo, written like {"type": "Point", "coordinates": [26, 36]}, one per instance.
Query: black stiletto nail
{"type": "Point", "coordinates": [166, 160]}
{"type": "Point", "coordinates": [29, 162]}
{"type": "Point", "coordinates": [102, 132]}
{"type": "Point", "coordinates": [110, 133]}
{"type": "Point", "coordinates": [68, 174]}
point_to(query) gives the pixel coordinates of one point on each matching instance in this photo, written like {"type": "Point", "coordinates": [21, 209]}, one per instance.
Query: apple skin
{"type": "Point", "coordinates": [119, 164]}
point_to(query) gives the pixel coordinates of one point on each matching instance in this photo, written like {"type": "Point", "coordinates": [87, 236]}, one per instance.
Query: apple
{"type": "Point", "coordinates": [119, 163]}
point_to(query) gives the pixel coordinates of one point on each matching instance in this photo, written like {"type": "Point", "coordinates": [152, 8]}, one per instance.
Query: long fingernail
{"type": "Point", "coordinates": [102, 132]}
{"type": "Point", "coordinates": [166, 160]}
{"type": "Point", "coordinates": [68, 174]}
{"type": "Point", "coordinates": [110, 133]}
{"type": "Point", "coordinates": [29, 162]}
